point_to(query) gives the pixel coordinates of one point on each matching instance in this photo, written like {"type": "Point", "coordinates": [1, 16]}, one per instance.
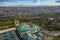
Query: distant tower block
{"type": "Point", "coordinates": [17, 23]}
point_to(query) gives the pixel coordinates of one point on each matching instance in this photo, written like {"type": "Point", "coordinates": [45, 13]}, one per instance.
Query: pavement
{"type": "Point", "coordinates": [6, 30]}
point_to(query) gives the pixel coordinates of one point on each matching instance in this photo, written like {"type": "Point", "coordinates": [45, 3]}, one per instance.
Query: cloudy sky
{"type": "Point", "coordinates": [29, 2]}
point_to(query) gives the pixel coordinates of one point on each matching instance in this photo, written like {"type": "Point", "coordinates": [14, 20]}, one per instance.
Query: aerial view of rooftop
{"type": "Point", "coordinates": [29, 19]}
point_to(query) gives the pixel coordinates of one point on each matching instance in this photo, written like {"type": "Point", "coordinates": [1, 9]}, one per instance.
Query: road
{"type": "Point", "coordinates": [6, 30]}
{"type": "Point", "coordinates": [53, 33]}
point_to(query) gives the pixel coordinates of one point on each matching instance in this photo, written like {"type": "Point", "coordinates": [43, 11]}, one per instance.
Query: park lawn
{"type": "Point", "coordinates": [3, 23]}
{"type": "Point", "coordinates": [35, 23]}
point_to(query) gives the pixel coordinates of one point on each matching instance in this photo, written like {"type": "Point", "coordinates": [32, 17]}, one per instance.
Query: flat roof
{"type": "Point", "coordinates": [9, 35]}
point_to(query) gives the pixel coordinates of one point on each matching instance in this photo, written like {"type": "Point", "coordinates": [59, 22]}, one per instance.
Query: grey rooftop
{"type": "Point", "coordinates": [10, 35]}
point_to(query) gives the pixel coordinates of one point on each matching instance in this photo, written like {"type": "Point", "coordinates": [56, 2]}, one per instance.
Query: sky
{"type": "Point", "coordinates": [29, 2]}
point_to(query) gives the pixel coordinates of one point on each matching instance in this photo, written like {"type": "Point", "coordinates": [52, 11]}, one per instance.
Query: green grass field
{"type": "Point", "coordinates": [3, 23]}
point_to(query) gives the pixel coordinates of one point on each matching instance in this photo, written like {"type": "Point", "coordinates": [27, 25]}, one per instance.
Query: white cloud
{"type": "Point", "coordinates": [38, 3]}
{"type": "Point", "coordinates": [14, 4]}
